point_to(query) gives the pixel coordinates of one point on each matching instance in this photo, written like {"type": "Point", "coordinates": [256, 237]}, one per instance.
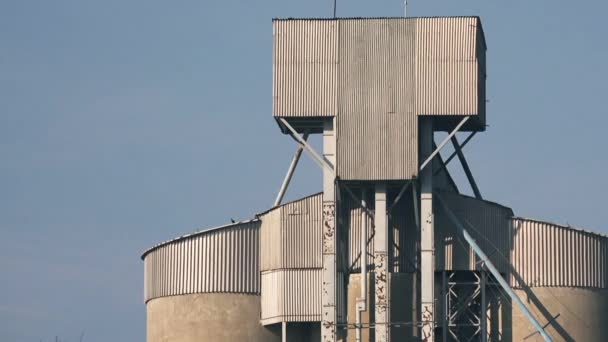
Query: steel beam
{"type": "Point", "coordinates": [329, 331]}
{"type": "Point", "coordinates": [427, 249]}
{"type": "Point", "coordinates": [292, 168]}
{"type": "Point", "coordinates": [490, 266]}
{"type": "Point", "coordinates": [322, 161]}
{"type": "Point", "coordinates": [447, 161]}
{"type": "Point", "coordinates": [283, 331]}
{"type": "Point", "coordinates": [445, 141]}
{"type": "Point", "coordinates": [400, 194]}
{"type": "Point", "coordinates": [362, 300]}
{"type": "Point", "coordinates": [381, 270]}
{"type": "Point", "coordinates": [465, 167]}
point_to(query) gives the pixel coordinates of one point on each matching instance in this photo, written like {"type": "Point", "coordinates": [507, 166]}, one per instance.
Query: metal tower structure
{"type": "Point", "coordinates": [377, 90]}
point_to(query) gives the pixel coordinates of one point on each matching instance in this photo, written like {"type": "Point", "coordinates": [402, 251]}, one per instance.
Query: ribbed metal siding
{"type": "Point", "coordinates": [546, 254]}
{"type": "Point", "coordinates": [271, 236]}
{"type": "Point", "coordinates": [222, 260]}
{"type": "Point", "coordinates": [488, 223]}
{"type": "Point", "coordinates": [291, 295]}
{"type": "Point", "coordinates": [302, 237]}
{"type": "Point", "coordinates": [291, 235]}
{"type": "Point", "coordinates": [447, 71]}
{"type": "Point", "coordinates": [305, 58]}
{"type": "Point", "coordinates": [291, 258]}
{"type": "Point", "coordinates": [377, 134]}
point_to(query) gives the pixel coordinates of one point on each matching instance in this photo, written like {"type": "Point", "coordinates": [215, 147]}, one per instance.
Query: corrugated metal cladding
{"type": "Point", "coordinates": [376, 76]}
{"type": "Point", "coordinates": [403, 238]}
{"type": "Point", "coordinates": [221, 260]}
{"type": "Point", "coordinates": [440, 53]}
{"type": "Point", "coordinates": [447, 68]}
{"type": "Point", "coordinates": [291, 235]}
{"type": "Point", "coordinates": [377, 129]}
{"type": "Point", "coordinates": [291, 255]}
{"type": "Point", "coordinates": [546, 254]}
{"type": "Point", "coordinates": [305, 59]}
{"type": "Point", "coordinates": [487, 222]}
{"type": "Point", "coordinates": [291, 295]}
{"type": "Point", "coordinates": [295, 296]}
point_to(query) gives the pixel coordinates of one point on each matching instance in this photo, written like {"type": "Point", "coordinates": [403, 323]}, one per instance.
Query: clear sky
{"type": "Point", "coordinates": [125, 123]}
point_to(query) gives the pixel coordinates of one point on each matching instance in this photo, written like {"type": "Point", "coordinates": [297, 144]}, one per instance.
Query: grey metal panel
{"type": "Point", "coordinates": [291, 296]}
{"type": "Point", "coordinates": [220, 260]}
{"type": "Point", "coordinates": [547, 254]}
{"type": "Point", "coordinates": [447, 70]}
{"type": "Point", "coordinates": [377, 126]}
{"type": "Point", "coordinates": [487, 222]}
{"type": "Point", "coordinates": [301, 223]}
{"type": "Point", "coordinates": [291, 235]}
{"type": "Point", "coordinates": [305, 58]}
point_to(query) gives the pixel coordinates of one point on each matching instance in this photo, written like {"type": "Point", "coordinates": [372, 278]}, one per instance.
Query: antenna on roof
{"type": "Point", "coordinates": [335, 9]}
{"type": "Point", "coordinates": [405, 8]}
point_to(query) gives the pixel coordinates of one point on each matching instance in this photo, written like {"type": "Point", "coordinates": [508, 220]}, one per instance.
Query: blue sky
{"type": "Point", "coordinates": [124, 123]}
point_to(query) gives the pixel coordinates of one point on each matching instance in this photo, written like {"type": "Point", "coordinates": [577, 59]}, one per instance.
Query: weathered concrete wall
{"type": "Point", "coordinates": [207, 317]}
{"type": "Point", "coordinates": [583, 314]}
{"type": "Point", "coordinates": [402, 307]}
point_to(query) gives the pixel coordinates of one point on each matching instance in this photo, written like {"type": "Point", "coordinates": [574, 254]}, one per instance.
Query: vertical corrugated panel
{"type": "Point", "coordinates": [291, 295]}
{"type": "Point", "coordinates": [447, 70]}
{"type": "Point", "coordinates": [377, 131]}
{"type": "Point", "coordinates": [301, 233]}
{"type": "Point", "coordinates": [270, 240]}
{"type": "Point", "coordinates": [546, 254]}
{"type": "Point", "coordinates": [222, 260]}
{"type": "Point", "coordinates": [305, 58]}
{"type": "Point", "coordinates": [488, 223]}
{"type": "Point", "coordinates": [291, 235]}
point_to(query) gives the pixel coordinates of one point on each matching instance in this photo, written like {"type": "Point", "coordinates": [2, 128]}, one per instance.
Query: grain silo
{"type": "Point", "coordinates": [389, 250]}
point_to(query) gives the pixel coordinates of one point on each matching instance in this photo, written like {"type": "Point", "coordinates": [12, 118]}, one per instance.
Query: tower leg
{"type": "Point", "coordinates": [427, 253]}
{"type": "Point", "coordinates": [381, 270]}
{"type": "Point", "coordinates": [329, 310]}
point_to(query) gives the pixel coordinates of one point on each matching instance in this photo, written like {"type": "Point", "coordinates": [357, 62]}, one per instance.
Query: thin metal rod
{"type": "Point", "coordinates": [292, 168]}
{"type": "Point", "coordinates": [321, 161]}
{"type": "Point", "coordinates": [445, 141]}
{"type": "Point", "coordinates": [405, 8]}
{"type": "Point", "coordinates": [400, 194]}
{"type": "Point", "coordinates": [465, 167]}
{"type": "Point", "coordinates": [469, 239]}
{"type": "Point", "coordinates": [447, 161]}
{"type": "Point", "coordinates": [335, 5]}
{"type": "Point", "coordinates": [352, 195]}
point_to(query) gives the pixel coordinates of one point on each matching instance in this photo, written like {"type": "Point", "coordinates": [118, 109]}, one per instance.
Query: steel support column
{"type": "Point", "coordinates": [329, 311]}
{"type": "Point", "coordinates": [381, 270]}
{"type": "Point", "coordinates": [283, 331]}
{"type": "Point", "coordinates": [427, 253]}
